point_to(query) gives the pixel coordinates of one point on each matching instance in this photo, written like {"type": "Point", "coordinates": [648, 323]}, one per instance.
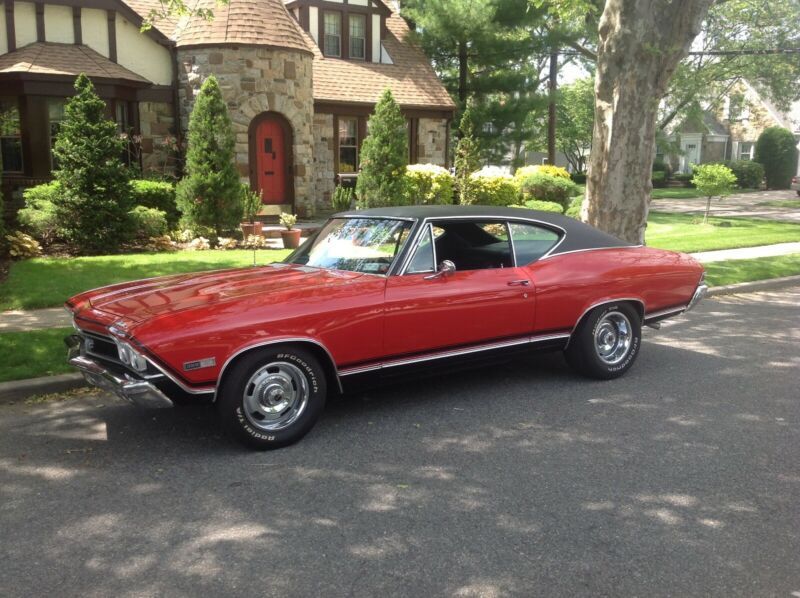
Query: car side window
{"type": "Point", "coordinates": [531, 242]}
{"type": "Point", "coordinates": [473, 245]}
{"type": "Point", "coordinates": [423, 258]}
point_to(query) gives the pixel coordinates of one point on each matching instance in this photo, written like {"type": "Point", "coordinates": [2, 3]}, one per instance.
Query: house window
{"type": "Point", "coordinates": [55, 116]}
{"type": "Point", "coordinates": [358, 36]}
{"type": "Point", "coordinates": [10, 136]}
{"type": "Point", "coordinates": [348, 144]}
{"type": "Point", "coordinates": [745, 151]}
{"type": "Point", "coordinates": [333, 34]}
{"type": "Point", "coordinates": [736, 107]}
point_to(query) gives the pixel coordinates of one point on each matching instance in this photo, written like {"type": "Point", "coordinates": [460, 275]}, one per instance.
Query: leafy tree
{"type": "Point", "coordinates": [165, 9]}
{"type": "Point", "coordinates": [466, 159]}
{"type": "Point", "coordinates": [777, 152]}
{"type": "Point", "coordinates": [712, 180]}
{"type": "Point", "coordinates": [384, 156]}
{"type": "Point", "coordinates": [210, 195]}
{"type": "Point", "coordinates": [95, 195]}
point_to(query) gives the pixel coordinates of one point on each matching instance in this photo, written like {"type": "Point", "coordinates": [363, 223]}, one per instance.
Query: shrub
{"type": "Point", "coordinates": [579, 178]}
{"type": "Point", "coordinates": [492, 189]}
{"type": "Point", "coordinates": [210, 194]}
{"type": "Point", "coordinates": [546, 187]}
{"type": "Point", "coordinates": [466, 159]}
{"type": "Point", "coordinates": [544, 206]}
{"type": "Point", "coordinates": [199, 244]}
{"type": "Point", "coordinates": [776, 150]}
{"type": "Point", "coordinates": [288, 220]}
{"type": "Point", "coordinates": [156, 194]}
{"type": "Point", "coordinates": [574, 209]}
{"type": "Point", "coordinates": [384, 156]}
{"type": "Point", "coordinates": [251, 203]}
{"type": "Point", "coordinates": [685, 179]}
{"type": "Point", "coordinates": [39, 217]}
{"type": "Point", "coordinates": [749, 174]}
{"type": "Point", "coordinates": [660, 166]}
{"type": "Point", "coordinates": [148, 222]}
{"type": "Point", "coordinates": [524, 172]}
{"type": "Point", "coordinates": [93, 204]}
{"type": "Point", "coordinates": [22, 246]}
{"type": "Point", "coordinates": [342, 198]}
{"type": "Point", "coordinates": [659, 178]}
{"type": "Point", "coordinates": [429, 184]}
{"type": "Point", "coordinates": [713, 180]}
{"type": "Point", "coordinates": [226, 243]}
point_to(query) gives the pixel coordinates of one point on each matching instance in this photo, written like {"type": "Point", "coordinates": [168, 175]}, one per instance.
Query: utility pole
{"type": "Point", "coordinates": [551, 109]}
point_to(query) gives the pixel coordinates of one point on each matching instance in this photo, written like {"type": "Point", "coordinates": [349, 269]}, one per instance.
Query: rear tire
{"type": "Point", "coordinates": [272, 398]}
{"type": "Point", "coordinates": [606, 343]}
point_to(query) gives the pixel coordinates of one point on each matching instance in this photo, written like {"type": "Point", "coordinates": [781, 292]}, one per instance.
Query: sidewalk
{"type": "Point", "coordinates": [56, 317]}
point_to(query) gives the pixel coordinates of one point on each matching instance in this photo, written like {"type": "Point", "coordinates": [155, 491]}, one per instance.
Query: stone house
{"type": "Point", "coordinates": [300, 79]}
{"type": "Point", "coordinates": [729, 130]}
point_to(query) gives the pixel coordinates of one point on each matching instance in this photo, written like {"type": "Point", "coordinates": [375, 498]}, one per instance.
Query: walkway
{"type": "Point", "coordinates": [743, 205]}
{"type": "Point", "coordinates": [746, 253]}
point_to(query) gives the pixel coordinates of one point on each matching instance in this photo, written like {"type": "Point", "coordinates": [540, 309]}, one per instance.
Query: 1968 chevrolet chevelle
{"type": "Point", "coordinates": [376, 293]}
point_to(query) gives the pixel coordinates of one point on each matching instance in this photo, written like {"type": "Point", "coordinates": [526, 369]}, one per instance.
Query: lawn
{"type": "Point", "coordinates": [683, 232]}
{"type": "Point", "coordinates": [781, 203]}
{"type": "Point", "coordinates": [733, 271]}
{"type": "Point", "coordinates": [33, 354]}
{"type": "Point", "coordinates": [685, 193]}
{"type": "Point", "coordinates": [48, 282]}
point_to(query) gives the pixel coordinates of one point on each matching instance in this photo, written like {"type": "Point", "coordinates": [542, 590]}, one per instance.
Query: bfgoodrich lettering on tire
{"type": "Point", "coordinates": [606, 342]}
{"type": "Point", "coordinates": [272, 397]}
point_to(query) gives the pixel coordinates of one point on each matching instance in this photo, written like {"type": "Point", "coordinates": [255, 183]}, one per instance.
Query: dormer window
{"type": "Point", "coordinates": [333, 34]}
{"type": "Point", "coordinates": [358, 36]}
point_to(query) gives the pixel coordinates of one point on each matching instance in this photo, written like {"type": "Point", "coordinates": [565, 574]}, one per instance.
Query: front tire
{"type": "Point", "coordinates": [272, 398]}
{"type": "Point", "coordinates": [606, 343]}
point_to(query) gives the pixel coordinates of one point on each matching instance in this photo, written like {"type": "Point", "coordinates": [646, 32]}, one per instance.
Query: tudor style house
{"type": "Point", "coordinates": [729, 130]}
{"type": "Point", "coordinates": [300, 79]}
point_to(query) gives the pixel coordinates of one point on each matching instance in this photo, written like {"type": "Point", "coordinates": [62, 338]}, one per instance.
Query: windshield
{"type": "Point", "coordinates": [367, 245]}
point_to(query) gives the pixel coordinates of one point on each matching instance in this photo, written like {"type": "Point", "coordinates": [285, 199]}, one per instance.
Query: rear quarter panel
{"type": "Point", "coordinates": [567, 285]}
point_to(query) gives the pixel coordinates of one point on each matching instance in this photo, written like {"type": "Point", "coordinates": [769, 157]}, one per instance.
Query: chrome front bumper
{"type": "Point", "coordinates": [139, 392]}
{"type": "Point", "coordinates": [700, 292]}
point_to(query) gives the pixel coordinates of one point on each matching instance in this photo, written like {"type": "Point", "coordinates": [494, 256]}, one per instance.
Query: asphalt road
{"type": "Point", "coordinates": [681, 479]}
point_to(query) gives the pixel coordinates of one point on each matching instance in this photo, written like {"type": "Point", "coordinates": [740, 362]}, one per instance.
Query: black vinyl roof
{"type": "Point", "coordinates": [578, 236]}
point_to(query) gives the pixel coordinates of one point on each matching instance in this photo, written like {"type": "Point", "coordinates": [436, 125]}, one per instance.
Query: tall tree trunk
{"type": "Point", "coordinates": [463, 65]}
{"type": "Point", "coordinates": [551, 108]}
{"type": "Point", "coordinates": [640, 44]}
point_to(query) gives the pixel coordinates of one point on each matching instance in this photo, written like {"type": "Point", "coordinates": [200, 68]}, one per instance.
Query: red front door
{"type": "Point", "coordinates": [270, 140]}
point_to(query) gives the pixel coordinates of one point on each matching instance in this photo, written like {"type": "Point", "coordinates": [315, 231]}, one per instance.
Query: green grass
{"type": "Point", "coordinates": [781, 203]}
{"type": "Point", "coordinates": [762, 268]}
{"type": "Point", "coordinates": [685, 193]}
{"type": "Point", "coordinates": [33, 354]}
{"type": "Point", "coordinates": [683, 232]}
{"type": "Point", "coordinates": [48, 282]}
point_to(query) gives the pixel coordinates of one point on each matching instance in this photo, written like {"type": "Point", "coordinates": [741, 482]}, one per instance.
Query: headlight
{"type": "Point", "coordinates": [130, 357]}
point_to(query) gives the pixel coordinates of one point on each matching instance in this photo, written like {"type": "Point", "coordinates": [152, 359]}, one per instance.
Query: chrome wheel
{"type": "Point", "coordinates": [275, 396]}
{"type": "Point", "coordinates": [612, 337]}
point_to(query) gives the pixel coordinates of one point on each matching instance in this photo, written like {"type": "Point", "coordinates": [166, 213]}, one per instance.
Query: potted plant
{"type": "Point", "coordinates": [291, 236]}
{"type": "Point", "coordinates": [251, 204]}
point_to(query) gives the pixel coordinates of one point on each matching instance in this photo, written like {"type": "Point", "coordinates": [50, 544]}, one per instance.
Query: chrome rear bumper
{"type": "Point", "coordinates": [700, 292]}
{"type": "Point", "coordinates": [139, 392]}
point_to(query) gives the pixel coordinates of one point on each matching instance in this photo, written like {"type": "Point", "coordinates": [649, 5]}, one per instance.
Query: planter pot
{"type": "Point", "coordinates": [249, 228]}
{"type": "Point", "coordinates": [291, 238]}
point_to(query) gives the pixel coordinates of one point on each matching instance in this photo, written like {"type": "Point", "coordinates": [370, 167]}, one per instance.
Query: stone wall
{"type": "Point", "coordinates": [157, 127]}
{"type": "Point", "coordinates": [323, 175]}
{"type": "Point", "coordinates": [255, 80]}
{"type": "Point", "coordinates": [432, 141]}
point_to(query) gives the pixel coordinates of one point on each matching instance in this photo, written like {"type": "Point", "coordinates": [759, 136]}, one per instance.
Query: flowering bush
{"type": "Point", "coordinates": [254, 242]}
{"type": "Point", "coordinates": [23, 246]}
{"type": "Point", "coordinates": [199, 244]}
{"type": "Point", "coordinates": [524, 172]}
{"type": "Point", "coordinates": [429, 184]}
{"type": "Point", "coordinates": [161, 243]}
{"type": "Point", "coordinates": [288, 220]}
{"type": "Point", "coordinates": [493, 189]}
{"type": "Point", "coordinates": [226, 243]}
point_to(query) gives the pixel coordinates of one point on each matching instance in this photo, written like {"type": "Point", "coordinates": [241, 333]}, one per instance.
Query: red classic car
{"type": "Point", "coordinates": [373, 294]}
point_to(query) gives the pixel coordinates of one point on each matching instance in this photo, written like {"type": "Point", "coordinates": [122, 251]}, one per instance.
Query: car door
{"type": "Point", "coordinates": [426, 311]}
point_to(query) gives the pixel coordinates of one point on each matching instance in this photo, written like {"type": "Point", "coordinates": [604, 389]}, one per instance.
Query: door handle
{"type": "Point", "coordinates": [519, 283]}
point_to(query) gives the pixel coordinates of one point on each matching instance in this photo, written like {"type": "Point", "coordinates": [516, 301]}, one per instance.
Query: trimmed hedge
{"type": "Point", "coordinates": [749, 174]}
{"type": "Point", "coordinates": [159, 195]}
{"type": "Point", "coordinates": [685, 179]}
{"type": "Point", "coordinates": [574, 209]}
{"type": "Point", "coordinates": [659, 179]}
{"type": "Point", "coordinates": [148, 222]}
{"type": "Point", "coordinates": [579, 178]}
{"type": "Point", "coordinates": [493, 189]}
{"type": "Point", "coordinates": [545, 187]}
{"type": "Point", "coordinates": [544, 206]}
{"type": "Point", "coordinates": [429, 184]}
{"type": "Point", "coordinates": [776, 149]}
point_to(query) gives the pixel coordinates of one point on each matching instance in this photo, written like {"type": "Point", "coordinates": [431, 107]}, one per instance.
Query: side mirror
{"type": "Point", "coordinates": [446, 268]}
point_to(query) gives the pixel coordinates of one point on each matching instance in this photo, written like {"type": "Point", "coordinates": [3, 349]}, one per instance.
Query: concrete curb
{"type": "Point", "coordinates": [756, 285]}
{"type": "Point", "coordinates": [22, 389]}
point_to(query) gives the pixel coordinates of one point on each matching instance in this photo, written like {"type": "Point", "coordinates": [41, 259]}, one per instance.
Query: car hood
{"type": "Point", "coordinates": [145, 299]}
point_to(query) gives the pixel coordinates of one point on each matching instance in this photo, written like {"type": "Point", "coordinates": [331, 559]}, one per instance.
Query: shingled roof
{"type": "Point", "coordinates": [411, 78]}
{"type": "Point", "coordinates": [48, 58]}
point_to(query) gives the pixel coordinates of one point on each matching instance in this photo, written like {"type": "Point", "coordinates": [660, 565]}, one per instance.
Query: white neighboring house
{"type": "Point", "coordinates": [730, 130]}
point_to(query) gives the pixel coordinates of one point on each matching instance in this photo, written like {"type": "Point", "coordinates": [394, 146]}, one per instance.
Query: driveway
{"type": "Point", "coordinates": [681, 479]}
{"type": "Point", "coordinates": [751, 205]}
